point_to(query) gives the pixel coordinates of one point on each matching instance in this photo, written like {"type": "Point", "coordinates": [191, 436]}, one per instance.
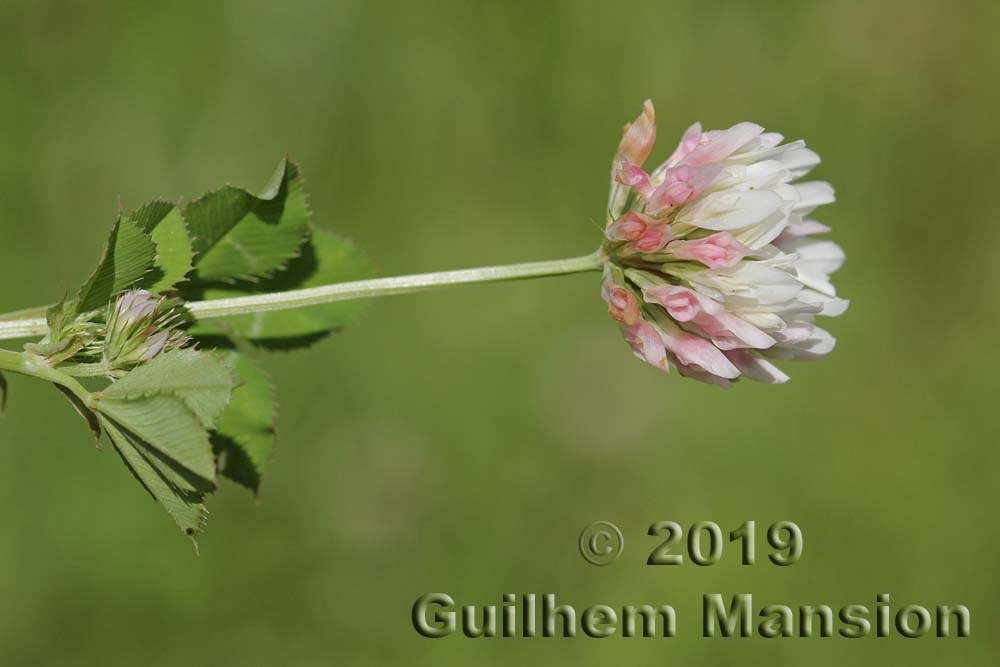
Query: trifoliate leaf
{"type": "Point", "coordinates": [174, 254]}
{"type": "Point", "coordinates": [183, 504]}
{"type": "Point", "coordinates": [325, 259]}
{"type": "Point", "coordinates": [167, 424]}
{"type": "Point", "coordinates": [170, 402]}
{"type": "Point", "coordinates": [203, 380]}
{"type": "Point", "coordinates": [245, 435]}
{"type": "Point", "coordinates": [129, 255]}
{"type": "Point", "coordinates": [240, 236]}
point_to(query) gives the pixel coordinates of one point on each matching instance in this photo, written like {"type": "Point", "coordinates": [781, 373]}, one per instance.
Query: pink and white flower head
{"type": "Point", "coordinates": [713, 265]}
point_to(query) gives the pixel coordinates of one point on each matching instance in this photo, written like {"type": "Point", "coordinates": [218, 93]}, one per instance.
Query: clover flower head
{"type": "Point", "coordinates": [713, 265]}
{"type": "Point", "coordinates": [139, 328]}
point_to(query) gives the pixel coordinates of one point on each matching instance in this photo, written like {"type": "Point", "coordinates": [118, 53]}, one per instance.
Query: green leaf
{"type": "Point", "coordinates": [240, 236]}
{"type": "Point", "coordinates": [183, 501]}
{"type": "Point", "coordinates": [168, 425]}
{"type": "Point", "coordinates": [245, 435]}
{"type": "Point", "coordinates": [170, 402]}
{"type": "Point", "coordinates": [128, 256]}
{"type": "Point", "coordinates": [174, 254]}
{"type": "Point", "coordinates": [203, 380]}
{"type": "Point", "coordinates": [325, 259]}
{"type": "Point", "coordinates": [56, 315]}
{"type": "Point", "coordinates": [56, 353]}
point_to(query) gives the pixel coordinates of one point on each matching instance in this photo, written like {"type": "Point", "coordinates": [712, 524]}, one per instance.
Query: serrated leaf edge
{"type": "Point", "coordinates": [208, 425]}
{"type": "Point", "coordinates": [107, 247]}
{"type": "Point", "coordinates": [275, 413]}
{"type": "Point", "coordinates": [307, 234]}
{"type": "Point", "coordinates": [187, 231]}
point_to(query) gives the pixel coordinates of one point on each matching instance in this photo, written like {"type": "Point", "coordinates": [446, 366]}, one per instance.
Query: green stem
{"type": "Point", "coordinates": [38, 311]}
{"type": "Point", "coordinates": [361, 289]}
{"type": "Point", "coordinates": [26, 328]}
{"type": "Point", "coordinates": [24, 364]}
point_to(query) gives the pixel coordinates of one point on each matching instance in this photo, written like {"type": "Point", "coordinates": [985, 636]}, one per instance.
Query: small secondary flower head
{"type": "Point", "coordinates": [713, 265]}
{"type": "Point", "coordinates": [139, 328]}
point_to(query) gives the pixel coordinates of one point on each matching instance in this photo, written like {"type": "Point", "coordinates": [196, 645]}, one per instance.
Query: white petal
{"type": "Point", "coordinates": [797, 228]}
{"type": "Point", "coordinates": [753, 366]}
{"type": "Point", "coordinates": [794, 332]}
{"type": "Point", "coordinates": [724, 211]}
{"type": "Point", "coordinates": [813, 194]}
{"type": "Point", "coordinates": [770, 139]}
{"type": "Point", "coordinates": [722, 144]}
{"type": "Point", "coordinates": [748, 283]}
{"type": "Point", "coordinates": [829, 306]}
{"type": "Point", "coordinates": [763, 320]}
{"type": "Point", "coordinates": [817, 260]}
{"type": "Point", "coordinates": [763, 151]}
{"type": "Point", "coordinates": [819, 344]}
{"type": "Point", "coordinates": [762, 233]}
{"type": "Point", "coordinates": [698, 374]}
{"type": "Point", "coordinates": [767, 174]}
{"type": "Point", "coordinates": [799, 161]}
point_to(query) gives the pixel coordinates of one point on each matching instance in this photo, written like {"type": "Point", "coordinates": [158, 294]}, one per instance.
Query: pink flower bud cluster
{"type": "Point", "coordinates": [713, 266]}
{"type": "Point", "coordinates": [138, 329]}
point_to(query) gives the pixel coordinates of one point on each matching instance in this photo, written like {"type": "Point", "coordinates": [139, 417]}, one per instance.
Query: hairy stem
{"type": "Point", "coordinates": [361, 289]}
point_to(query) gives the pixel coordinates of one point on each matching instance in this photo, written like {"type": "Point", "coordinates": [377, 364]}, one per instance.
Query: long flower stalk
{"type": "Point", "coordinates": [29, 327]}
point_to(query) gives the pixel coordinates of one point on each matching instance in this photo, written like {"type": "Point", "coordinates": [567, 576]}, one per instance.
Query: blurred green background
{"type": "Point", "coordinates": [458, 441]}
